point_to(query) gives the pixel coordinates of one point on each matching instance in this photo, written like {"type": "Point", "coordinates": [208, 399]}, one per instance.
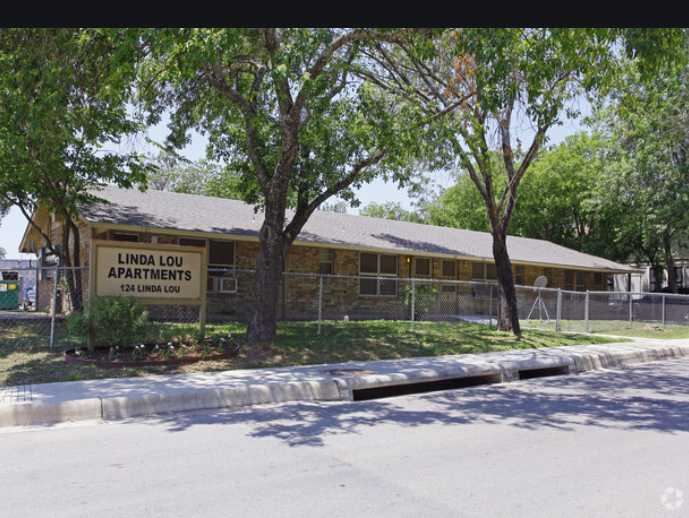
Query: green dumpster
{"type": "Point", "coordinates": [9, 294]}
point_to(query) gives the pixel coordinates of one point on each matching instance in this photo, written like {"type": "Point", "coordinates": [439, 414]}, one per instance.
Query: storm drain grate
{"type": "Point", "coordinates": [424, 386]}
{"type": "Point", "coordinates": [544, 372]}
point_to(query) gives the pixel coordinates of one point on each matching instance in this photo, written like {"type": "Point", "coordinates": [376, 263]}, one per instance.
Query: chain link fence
{"type": "Point", "coordinates": [35, 304]}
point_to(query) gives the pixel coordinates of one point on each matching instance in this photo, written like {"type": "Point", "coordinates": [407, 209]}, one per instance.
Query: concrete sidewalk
{"type": "Point", "coordinates": [129, 397]}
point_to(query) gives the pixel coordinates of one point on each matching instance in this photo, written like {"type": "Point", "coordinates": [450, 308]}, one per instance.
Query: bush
{"type": "Point", "coordinates": [425, 298]}
{"type": "Point", "coordinates": [113, 320]}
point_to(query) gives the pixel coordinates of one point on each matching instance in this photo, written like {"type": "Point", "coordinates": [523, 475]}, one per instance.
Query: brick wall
{"type": "Point", "coordinates": [299, 294]}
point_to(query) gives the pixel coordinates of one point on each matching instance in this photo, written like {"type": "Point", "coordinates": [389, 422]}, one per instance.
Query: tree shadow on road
{"type": "Point", "coordinates": [645, 398]}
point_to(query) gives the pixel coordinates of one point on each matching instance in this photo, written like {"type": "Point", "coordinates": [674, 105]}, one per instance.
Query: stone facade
{"type": "Point", "coordinates": [299, 291]}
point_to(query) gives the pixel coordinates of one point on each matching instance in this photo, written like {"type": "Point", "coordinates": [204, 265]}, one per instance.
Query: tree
{"type": "Point", "coordinates": [490, 80]}
{"type": "Point", "coordinates": [646, 123]}
{"type": "Point", "coordinates": [563, 199]}
{"type": "Point", "coordinates": [63, 98]}
{"type": "Point", "coordinates": [283, 108]}
{"type": "Point", "coordinates": [339, 207]}
{"type": "Point", "coordinates": [171, 172]}
{"type": "Point", "coordinates": [392, 210]}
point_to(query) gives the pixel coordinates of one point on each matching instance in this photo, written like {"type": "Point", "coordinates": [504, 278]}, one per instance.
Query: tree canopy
{"type": "Point", "coordinates": [64, 97]}
{"type": "Point", "coordinates": [171, 172]}
{"type": "Point", "coordinates": [285, 110]}
{"type": "Point", "coordinates": [565, 199]}
{"type": "Point", "coordinates": [646, 124]}
{"type": "Point", "coordinates": [392, 210]}
{"type": "Point", "coordinates": [63, 101]}
{"type": "Point", "coordinates": [488, 81]}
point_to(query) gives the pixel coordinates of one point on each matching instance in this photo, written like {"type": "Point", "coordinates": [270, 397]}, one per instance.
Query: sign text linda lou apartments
{"type": "Point", "coordinates": [150, 267]}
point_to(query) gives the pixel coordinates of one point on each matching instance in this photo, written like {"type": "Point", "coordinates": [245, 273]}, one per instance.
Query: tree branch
{"type": "Point", "coordinates": [248, 110]}
{"type": "Point", "coordinates": [301, 216]}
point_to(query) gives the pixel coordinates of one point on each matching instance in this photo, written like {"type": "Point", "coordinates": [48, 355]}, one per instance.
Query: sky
{"type": "Point", "coordinates": [13, 225]}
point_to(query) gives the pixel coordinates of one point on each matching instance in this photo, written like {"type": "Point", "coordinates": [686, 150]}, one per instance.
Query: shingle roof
{"type": "Point", "coordinates": [192, 213]}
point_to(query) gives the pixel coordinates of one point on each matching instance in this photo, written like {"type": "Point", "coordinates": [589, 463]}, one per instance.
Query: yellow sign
{"type": "Point", "coordinates": [150, 271]}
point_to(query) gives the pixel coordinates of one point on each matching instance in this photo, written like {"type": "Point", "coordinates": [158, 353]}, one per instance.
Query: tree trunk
{"type": "Point", "coordinates": [78, 293]}
{"type": "Point", "coordinates": [657, 270]}
{"type": "Point", "coordinates": [269, 268]}
{"type": "Point", "coordinates": [670, 264]}
{"type": "Point", "coordinates": [71, 263]}
{"type": "Point", "coordinates": [508, 315]}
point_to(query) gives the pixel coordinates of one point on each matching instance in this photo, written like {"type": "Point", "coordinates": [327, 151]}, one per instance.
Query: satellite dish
{"type": "Point", "coordinates": [541, 281]}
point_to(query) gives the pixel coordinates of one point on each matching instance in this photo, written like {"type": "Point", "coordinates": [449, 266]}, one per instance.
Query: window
{"type": "Point", "coordinates": [164, 240]}
{"type": "Point", "coordinates": [186, 241]}
{"type": "Point", "coordinates": [449, 268]}
{"type": "Point", "coordinates": [549, 274]}
{"type": "Point", "coordinates": [580, 281]}
{"type": "Point", "coordinates": [220, 259]}
{"type": "Point", "coordinates": [569, 280]}
{"type": "Point", "coordinates": [369, 263]}
{"type": "Point", "coordinates": [519, 274]}
{"type": "Point", "coordinates": [483, 272]}
{"type": "Point", "coordinates": [388, 287]}
{"type": "Point", "coordinates": [388, 264]}
{"type": "Point", "coordinates": [327, 262]}
{"type": "Point", "coordinates": [122, 236]}
{"type": "Point", "coordinates": [380, 265]}
{"type": "Point", "coordinates": [422, 267]}
{"type": "Point", "coordinates": [368, 287]}
{"type": "Point", "coordinates": [221, 253]}
{"type": "Point", "coordinates": [478, 271]}
{"type": "Point", "coordinates": [598, 279]}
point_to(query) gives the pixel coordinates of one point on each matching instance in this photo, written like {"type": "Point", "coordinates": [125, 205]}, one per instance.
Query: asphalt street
{"type": "Point", "coordinates": [609, 443]}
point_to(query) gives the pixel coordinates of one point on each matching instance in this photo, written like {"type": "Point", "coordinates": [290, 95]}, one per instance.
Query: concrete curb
{"type": "Point", "coordinates": [27, 413]}
{"type": "Point", "coordinates": [595, 360]}
{"type": "Point", "coordinates": [510, 369]}
{"type": "Point", "coordinates": [232, 397]}
{"type": "Point", "coordinates": [321, 386]}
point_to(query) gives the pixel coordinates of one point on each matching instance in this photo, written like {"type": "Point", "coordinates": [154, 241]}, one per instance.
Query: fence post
{"type": "Point", "coordinates": [413, 300]}
{"type": "Point", "coordinates": [540, 306]}
{"type": "Point", "coordinates": [558, 311]}
{"type": "Point", "coordinates": [54, 309]}
{"type": "Point", "coordinates": [587, 302]}
{"type": "Point", "coordinates": [663, 305]}
{"type": "Point", "coordinates": [631, 310]}
{"type": "Point", "coordinates": [38, 277]}
{"type": "Point", "coordinates": [320, 302]}
{"type": "Point", "coordinates": [490, 308]}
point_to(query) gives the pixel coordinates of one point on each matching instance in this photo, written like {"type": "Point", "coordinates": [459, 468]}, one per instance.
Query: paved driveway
{"type": "Point", "coordinates": [607, 444]}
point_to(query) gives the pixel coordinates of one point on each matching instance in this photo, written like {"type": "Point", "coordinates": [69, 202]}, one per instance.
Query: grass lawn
{"type": "Point", "coordinates": [617, 327]}
{"type": "Point", "coordinates": [25, 358]}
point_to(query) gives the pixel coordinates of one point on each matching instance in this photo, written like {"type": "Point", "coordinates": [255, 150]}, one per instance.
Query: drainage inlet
{"type": "Point", "coordinates": [424, 386]}
{"type": "Point", "coordinates": [544, 372]}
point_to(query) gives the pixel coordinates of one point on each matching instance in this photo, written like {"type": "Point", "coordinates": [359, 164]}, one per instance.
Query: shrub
{"type": "Point", "coordinates": [113, 321]}
{"type": "Point", "coordinates": [425, 298]}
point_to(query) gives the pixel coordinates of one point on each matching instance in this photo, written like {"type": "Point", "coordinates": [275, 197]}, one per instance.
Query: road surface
{"type": "Point", "coordinates": [612, 443]}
